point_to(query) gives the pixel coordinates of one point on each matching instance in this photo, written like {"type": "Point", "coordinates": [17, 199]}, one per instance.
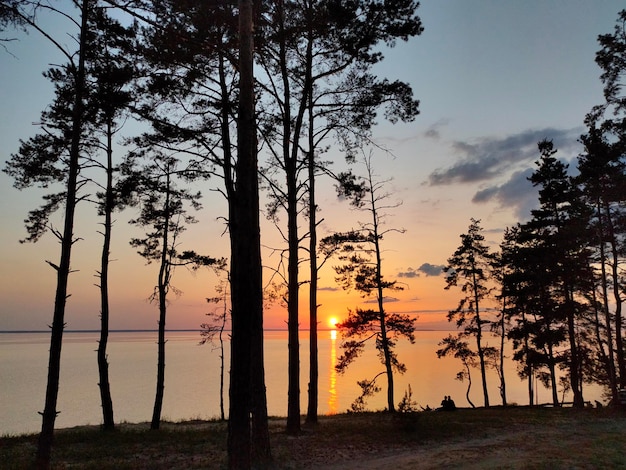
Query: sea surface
{"type": "Point", "coordinates": [192, 377]}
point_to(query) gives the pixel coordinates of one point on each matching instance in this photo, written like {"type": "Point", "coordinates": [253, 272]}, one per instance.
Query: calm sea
{"type": "Point", "coordinates": [192, 377]}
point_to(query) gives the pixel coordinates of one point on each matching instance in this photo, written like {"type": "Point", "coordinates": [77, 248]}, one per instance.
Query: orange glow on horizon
{"type": "Point", "coordinates": [332, 321]}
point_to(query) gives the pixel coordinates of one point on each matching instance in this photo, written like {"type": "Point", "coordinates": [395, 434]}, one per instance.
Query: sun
{"type": "Point", "coordinates": [332, 321]}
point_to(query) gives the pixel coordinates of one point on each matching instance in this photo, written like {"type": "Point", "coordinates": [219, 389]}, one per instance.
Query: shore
{"type": "Point", "coordinates": [514, 437]}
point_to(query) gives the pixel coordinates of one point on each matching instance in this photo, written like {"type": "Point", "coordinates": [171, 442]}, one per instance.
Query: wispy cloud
{"type": "Point", "coordinates": [516, 193]}
{"type": "Point", "coordinates": [385, 299]}
{"type": "Point", "coordinates": [433, 131]}
{"type": "Point", "coordinates": [488, 158]}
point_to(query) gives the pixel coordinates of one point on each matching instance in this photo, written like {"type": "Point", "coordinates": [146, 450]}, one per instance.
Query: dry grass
{"type": "Point", "coordinates": [515, 437]}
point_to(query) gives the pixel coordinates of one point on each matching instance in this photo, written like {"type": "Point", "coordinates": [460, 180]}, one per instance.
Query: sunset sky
{"type": "Point", "coordinates": [493, 77]}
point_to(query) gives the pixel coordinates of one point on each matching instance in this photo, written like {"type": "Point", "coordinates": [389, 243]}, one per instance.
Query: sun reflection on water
{"type": "Point", "coordinates": [332, 390]}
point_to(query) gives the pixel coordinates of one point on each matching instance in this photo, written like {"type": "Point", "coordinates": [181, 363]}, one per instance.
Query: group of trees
{"type": "Point", "coordinates": [557, 281]}
{"type": "Point", "coordinates": [185, 70]}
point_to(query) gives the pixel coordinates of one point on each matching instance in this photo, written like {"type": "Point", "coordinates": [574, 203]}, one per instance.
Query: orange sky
{"type": "Point", "coordinates": [493, 78]}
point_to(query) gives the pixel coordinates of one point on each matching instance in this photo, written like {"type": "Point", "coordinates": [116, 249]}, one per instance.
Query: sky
{"type": "Point", "coordinates": [493, 78]}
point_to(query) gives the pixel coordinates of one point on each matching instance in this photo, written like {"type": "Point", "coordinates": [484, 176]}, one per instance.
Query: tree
{"type": "Point", "coordinates": [361, 252]}
{"type": "Point", "coordinates": [54, 157]}
{"type": "Point", "coordinates": [163, 211]}
{"type": "Point", "coordinates": [500, 272]}
{"type": "Point", "coordinates": [318, 59]}
{"type": "Point", "coordinates": [471, 264]}
{"type": "Point", "coordinates": [203, 88]}
{"type": "Point", "coordinates": [213, 330]}
{"type": "Point", "coordinates": [611, 59]}
{"type": "Point", "coordinates": [602, 181]}
{"type": "Point", "coordinates": [560, 224]}
{"type": "Point", "coordinates": [109, 72]}
{"type": "Point", "coordinates": [460, 350]}
{"type": "Point", "coordinates": [606, 123]}
{"type": "Point", "coordinates": [248, 444]}
{"type": "Point", "coordinates": [552, 277]}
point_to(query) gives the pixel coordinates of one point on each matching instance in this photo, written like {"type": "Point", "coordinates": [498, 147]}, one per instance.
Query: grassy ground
{"type": "Point", "coordinates": [515, 437]}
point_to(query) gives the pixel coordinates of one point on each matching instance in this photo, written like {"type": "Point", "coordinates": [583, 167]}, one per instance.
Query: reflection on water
{"type": "Point", "coordinates": [192, 377]}
{"type": "Point", "coordinates": [332, 376]}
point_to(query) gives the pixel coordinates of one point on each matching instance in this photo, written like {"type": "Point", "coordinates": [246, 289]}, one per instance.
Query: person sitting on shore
{"type": "Point", "coordinates": [448, 404]}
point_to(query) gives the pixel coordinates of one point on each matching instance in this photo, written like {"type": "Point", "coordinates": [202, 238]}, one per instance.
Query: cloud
{"type": "Point", "coordinates": [431, 269]}
{"type": "Point", "coordinates": [517, 193]}
{"type": "Point", "coordinates": [329, 289]}
{"type": "Point", "coordinates": [489, 158]}
{"type": "Point", "coordinates": [426, 269]}
{"type": "Point", "coordinates": [433, 130]}
{"type": "Point", "coordinates": [385, 299]}
{"type": "Point", "coordinates": [409, 273]}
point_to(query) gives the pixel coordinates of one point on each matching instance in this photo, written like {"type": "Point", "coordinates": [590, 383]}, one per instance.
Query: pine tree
{"type": "Point", "coordinates": [471, 267]}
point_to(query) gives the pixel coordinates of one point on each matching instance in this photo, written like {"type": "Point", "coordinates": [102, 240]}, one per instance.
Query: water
{"type": "Point", "coordinates": [192, 377]}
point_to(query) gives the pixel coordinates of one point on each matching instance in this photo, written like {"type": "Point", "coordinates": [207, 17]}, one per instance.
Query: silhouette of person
{"type": "Point", "coordinates": [451, 404]}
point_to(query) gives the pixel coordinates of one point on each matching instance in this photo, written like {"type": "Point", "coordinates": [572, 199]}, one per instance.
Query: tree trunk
{"type": "Point", "coordinates": [619, 340]}
{"type": "Point", "coordinates": [164, 280]}
{"type": "Point", "coordinates": [44, 446]}
{"type": "Point", "coordinates": [247, 375]}
{"type": "Point", "coordinates": [574, 366]}
{"type": "Point", "coordinates": [469, 386]}
{"type": "Point", "coordinates": [380, 297]}
{"type": "Point", "coordinates": [610, 355]}
{"type": "Point", "coordinates": [479, 347]}
{"type": "Point", "coordinates": [103, 365]}
{"type": "Point", "coordinates": [553, 382]}
{"type": "Point", "coordinates": [311, 416]}
{"type": "Point", "coordinates": [501, 366]}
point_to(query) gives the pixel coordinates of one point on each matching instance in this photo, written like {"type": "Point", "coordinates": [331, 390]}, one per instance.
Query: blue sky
{"type": "Point", "coordinates": [493, 77]}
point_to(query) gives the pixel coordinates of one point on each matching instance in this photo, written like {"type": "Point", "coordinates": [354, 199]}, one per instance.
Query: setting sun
{"type": "Point", "coordinates": [332, 321]}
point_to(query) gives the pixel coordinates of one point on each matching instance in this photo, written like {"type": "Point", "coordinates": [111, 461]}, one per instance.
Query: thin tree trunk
{"type": "Point", "coordinates": [575, 378]}
{"type": "Point", "coordinates": [469, 386]}
{"type": "Point", "coordinates": [380, 297]}
{"type": "Point", "coordinates": [553, 382]}
{"type": "Point", "coordinates": [44, 446]}
{"type": "Point", "coordinates": [481, 352]}
{"type": "Point", "coordinates": [615, 274]}
{"type": "Point", "coordinates": [222, 413]}
{"type": "Point", "coordinates": [311, 416]}
{"type": "Point", "coordinates": [164, 279]}
{"type": "Point", "coordinates": [103, 365]}
{"type": "Point", "coordinates": [290, 150]}
{"type": "Point", "coordinates": [605, 306]}
{"type": "Point", "coordinates": [501, 366]}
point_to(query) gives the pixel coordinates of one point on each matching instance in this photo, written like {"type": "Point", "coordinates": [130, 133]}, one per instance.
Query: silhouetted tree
{"type": "Point", "coordinates": [472, 266]}
{"type": "Point", "coordinates": [602, 179]}
{"type": "Point", "coordinates": [248, 434]}
{"type": "Point", "coordinates": [213, 330]}
{"type": "Point", "coordinates": [560, 225]}
{"type": "Point", "coordinates": [53, 157]}
{"type": "Point", "coordinates": [499, 325]}
{"type": "Point", "coordinates": [109, 72]}
{"type": "Point", "coordinates": [361, 252]}
{"type": "Point", "coordinates": [163, 211]}
{"type": "Point", "coordinates": [459, 349]}
{"type": "Point", "coordinates": [318, 58]}
{"type": "Point", "coordinates": [607, 123]}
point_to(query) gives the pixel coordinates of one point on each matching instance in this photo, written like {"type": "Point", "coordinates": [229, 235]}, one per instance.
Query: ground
{"type": "Point", "coordinates": [513, 437]}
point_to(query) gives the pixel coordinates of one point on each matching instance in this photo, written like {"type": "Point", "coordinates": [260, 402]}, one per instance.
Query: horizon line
{"type": "Point", "coordinates": [183, 330]}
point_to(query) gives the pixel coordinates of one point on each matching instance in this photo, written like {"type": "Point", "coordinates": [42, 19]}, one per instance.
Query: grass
{"type": "Point", "coordinates": [516, 437]}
